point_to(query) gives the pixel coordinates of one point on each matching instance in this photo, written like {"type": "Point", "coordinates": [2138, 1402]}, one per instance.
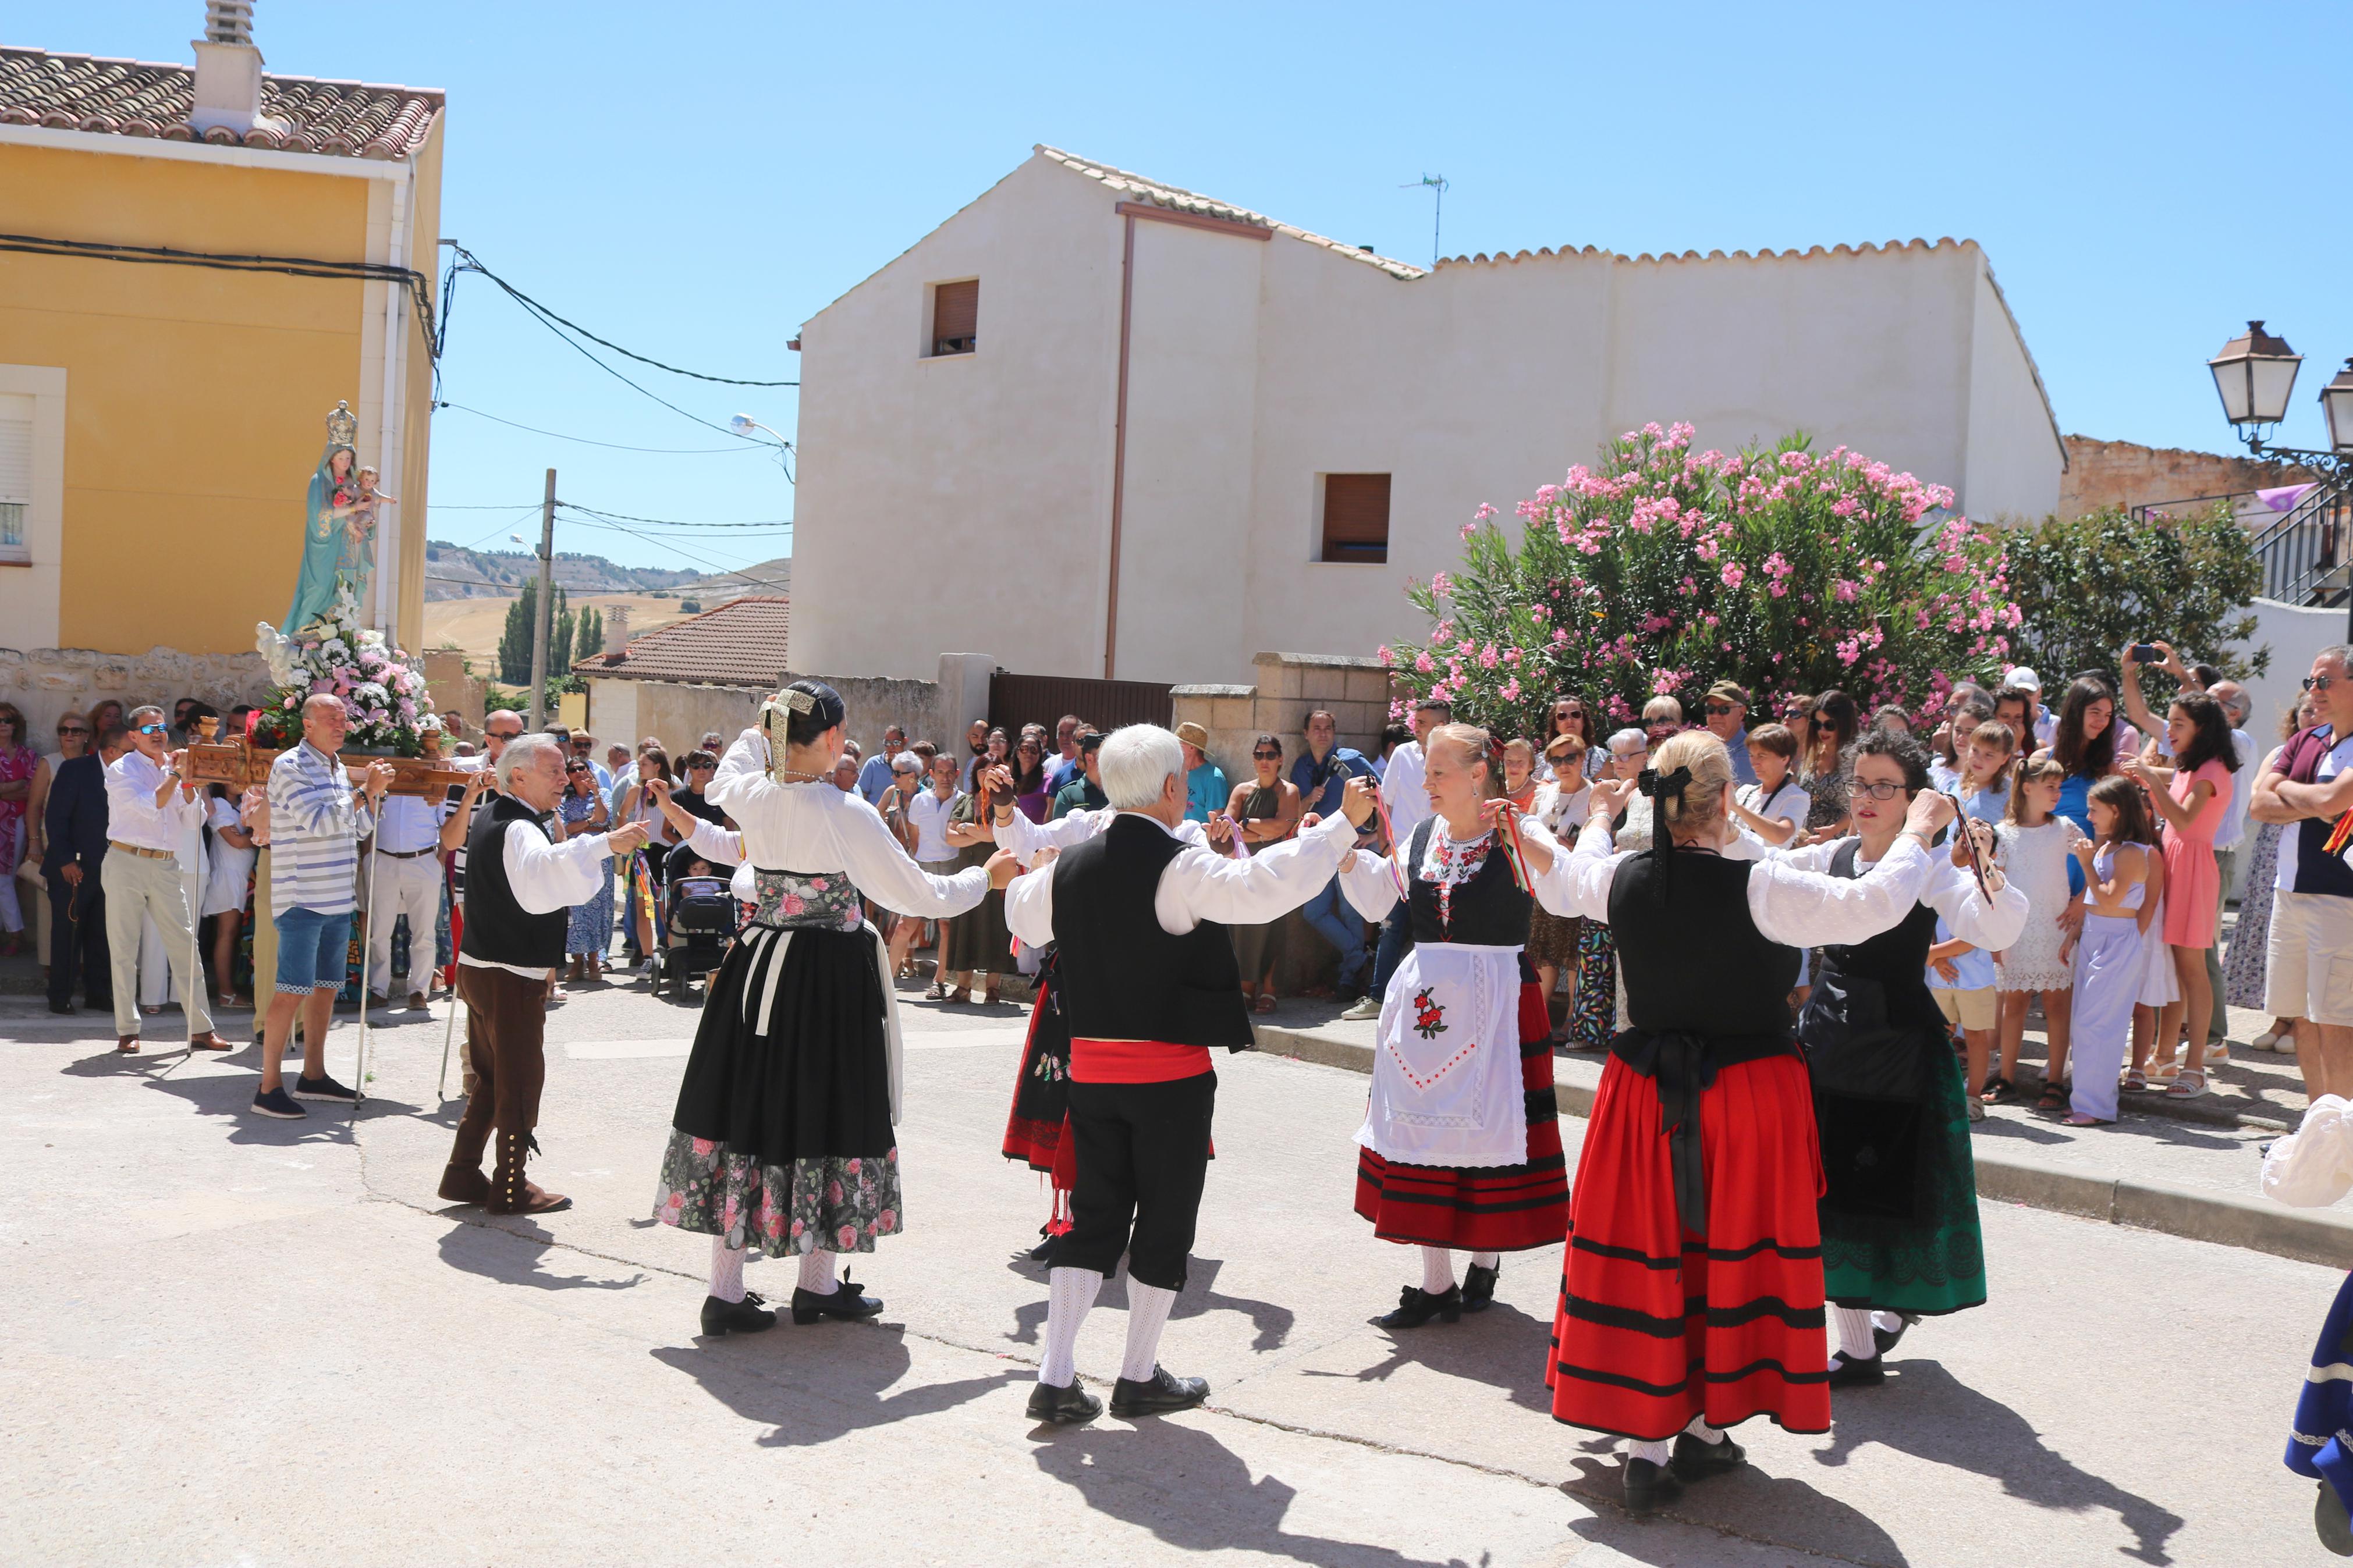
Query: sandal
{"type": "Point", "coordinates": [1265, 1003]}
{"type": "Point", "coordinates": [938, 993]}
{"type": "Point", "coordinates": [2053, 1096]}
{"type": "Point", "coordinates": [2077, 1118]}
{"type": "Point", "coordinates": [961, 995]}
{"type": "Point", "coordinates": [2135, 1081]}
{"type": "Point", "coordinates": [2219, 1051]}
{"type": "Point", "coordinates": [2188, 1084]}
{"type": "Point", "coordinates": [1999, 1091]}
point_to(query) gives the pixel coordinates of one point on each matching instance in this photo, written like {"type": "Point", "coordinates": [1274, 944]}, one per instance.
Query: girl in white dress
{"type": "Point", "coordinates": [232, 852]}
{"type": "Point", "coordinates": [2033, 843]}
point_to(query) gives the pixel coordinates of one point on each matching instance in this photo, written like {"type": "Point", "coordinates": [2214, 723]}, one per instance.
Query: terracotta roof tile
{"type": "Point", "coordinates": [740, 643]}
{"type": "Point", "coordinates": [135, 98]}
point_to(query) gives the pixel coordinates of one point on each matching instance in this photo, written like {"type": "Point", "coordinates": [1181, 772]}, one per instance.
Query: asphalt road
{"type": "Point", "coordinates": [244, 1341]}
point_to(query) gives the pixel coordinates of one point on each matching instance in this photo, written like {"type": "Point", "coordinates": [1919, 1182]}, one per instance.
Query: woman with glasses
{"type": "Point", "coordinates": [1570, 716]}
{"type": "Point", "coordinates": [1265, 810]}
{"type": "Point", "coordinates": [1831, 725]}
{"type": "Point", "coordinates": [73, 739]}
{"type": "Point", "coordinates": [1593, 1006]}
{"type": "Point", "coordinates": [1031, 798]}
{"type": "Point", "coordinates": [1899, 1218]}
{"type": "Point", "coordinates": [19, 764]}
{"type": "Point", "coordinates": [590, 930]}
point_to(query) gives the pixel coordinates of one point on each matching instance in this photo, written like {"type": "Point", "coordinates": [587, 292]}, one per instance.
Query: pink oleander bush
{"type": "Point", "coordinates": [1661, 571]}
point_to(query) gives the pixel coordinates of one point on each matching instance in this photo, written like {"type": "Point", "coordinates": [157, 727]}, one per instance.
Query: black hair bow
{"type": "Point", "coordinates": [1663, 789]}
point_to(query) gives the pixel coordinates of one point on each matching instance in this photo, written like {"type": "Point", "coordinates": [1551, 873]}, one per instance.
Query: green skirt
{"type": "Point", "coordinates": [1931, 1260]}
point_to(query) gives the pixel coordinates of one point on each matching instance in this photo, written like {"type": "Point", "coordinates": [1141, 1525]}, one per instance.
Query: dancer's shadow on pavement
{"type": "Point", "coordinates": [1271, 1324]}
{"type": "Point", "coordinates": [804, 1400]}
{"type": "Point", "coordinates": [1779, 1511]}
{"type": "Point", "coordinates": [1194, 1493]}
{"type": "Point", "coordinates": [1928, 1414]}
{"type": "Point", "coordinates": [487, 1247]}
{"type": "Point", "coordinates": [1496, 1346]}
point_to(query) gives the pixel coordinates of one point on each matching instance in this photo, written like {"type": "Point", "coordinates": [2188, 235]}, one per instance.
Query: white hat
{"type": "Point", "coordinates": [2024, 677]}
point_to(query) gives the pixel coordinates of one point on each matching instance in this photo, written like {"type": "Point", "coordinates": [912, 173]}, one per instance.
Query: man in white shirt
{"type": "Point", "coordinates": [405, 878]}
{"type": "Point", "coordinates": [1407, 802]}
{"type": "Point", "coordinates": [150, 807]}
{"type": "Point", "coordinates": [519, 884]}
{"type": "Point", "coordinates": [1149, 986]}
{"type": "Point", "coordinates": [2309, 958]}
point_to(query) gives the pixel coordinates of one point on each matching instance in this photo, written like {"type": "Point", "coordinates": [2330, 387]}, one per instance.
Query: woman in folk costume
{"type": "Point", "coordinates": [783, 1139]}
{"type": "Point", "coordinates": [1900, 1228]}
{"type": "Point", "coordinates": [2312, 1167]}
{"type": "Point", "coordinates": [1692, 1287]}
{"type": "Point", "coordinates": [1037, 1130]}
{"type": "Point", "coordinates": [1461, 1145]}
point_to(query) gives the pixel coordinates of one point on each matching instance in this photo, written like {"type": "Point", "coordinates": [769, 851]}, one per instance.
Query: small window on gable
{"type": "Point", "coordinates": [1357, 517]}
{"type": "Point", "coordinates": [16, 484]}
{"type": "Point", "coordinates": [955, 315]}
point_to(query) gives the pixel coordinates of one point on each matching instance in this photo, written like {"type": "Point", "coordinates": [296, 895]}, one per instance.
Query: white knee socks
{"type": "Point", "coordinates": [1147, 1314]}
{"type": "Point", "coordinates": [816, 1273]}
{"type": "Point", "coordinates": [1436, 1270]}
{"type": "Point", "coordinates": [1070, 1293]}
{"type": "Point", "coordinates": [1700, 1430]}
{"type": "Point", "coordinates": [1657, 1453]}
{"type": "Point", "coordinates": [726, 1270]}
{"type": "Point", "coordinates": [1890, 1321]}
{"type": "Point", "coordinates": [1488, 1259]}
{"type": "Point", "coordinates": [1854, 1332]}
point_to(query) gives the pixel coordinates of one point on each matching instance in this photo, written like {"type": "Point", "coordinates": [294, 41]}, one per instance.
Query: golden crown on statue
{"type": "Point", "coordinates": [342, 425]}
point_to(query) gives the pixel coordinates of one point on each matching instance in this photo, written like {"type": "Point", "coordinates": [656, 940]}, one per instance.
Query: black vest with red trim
{"type": "Point", "coordinates": [1121, 976]}
{"type": "Point", "coordinates": [499, 929]}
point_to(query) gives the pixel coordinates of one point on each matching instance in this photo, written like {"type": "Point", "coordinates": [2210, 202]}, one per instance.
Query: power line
{"type": "Point", "coordinates": [468, 261]}
{"type": "Point", "coordinates": [615, 446]}
{"type": "Point", "coordinates": [670, 521]}
{"type": "Point", "coordinates": [724, 571]}
{"type": "Point", "coordinates": [475, 506]}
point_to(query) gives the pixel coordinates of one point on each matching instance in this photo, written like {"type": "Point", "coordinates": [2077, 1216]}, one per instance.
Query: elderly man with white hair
{"type": "Point", "coordinates": [1149, 986]}
{"type": "Point", "coordinates": [150, 807]}
{"type": "Point", "coordinates": [520, 885]}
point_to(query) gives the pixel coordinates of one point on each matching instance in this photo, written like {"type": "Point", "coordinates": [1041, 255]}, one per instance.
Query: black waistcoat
{"type": "Point", "coordinates": [498, 928]}
{"type": "Point", "coordinates": [1896, 959]}
{"type": "Point", "coordinates": [1695, 962]}
{"type": "Point", "coordinates": [1121, 976]}
{"type": "Point", "coordinates": [1488, 910]}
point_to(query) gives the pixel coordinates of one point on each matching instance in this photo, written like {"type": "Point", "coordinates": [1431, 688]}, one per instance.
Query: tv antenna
{"type": "Point", "coordinates": [1437, 184]}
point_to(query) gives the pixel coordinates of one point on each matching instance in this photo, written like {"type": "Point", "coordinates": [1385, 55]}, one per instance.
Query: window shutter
{"type": "Point", "coordinates": [956, 316]}
{"type": "Point", "coordinates": [15, 459]}
{"type": "Point", "coordinates": [1357, 517]}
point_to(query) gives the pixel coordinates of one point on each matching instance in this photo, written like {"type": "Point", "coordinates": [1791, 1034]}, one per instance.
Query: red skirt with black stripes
{"type": "Point", "coordinates": [1657, 1324]}
{"type": "Point", "coordinates": [1497, 1208]}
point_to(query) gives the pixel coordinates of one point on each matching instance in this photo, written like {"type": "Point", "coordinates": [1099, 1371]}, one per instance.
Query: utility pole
{"type": "Point", "coordinates": [539, 622]}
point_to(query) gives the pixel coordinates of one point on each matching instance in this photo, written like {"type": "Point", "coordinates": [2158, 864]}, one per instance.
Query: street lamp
{"type": "Point", "coordinates": [743, 425]}
{"type": "Point", "coordinates": [2337, 406]}
{"type": "Point", "coordinates": [2302, 552]}
{"type": "Point", "coordinates": [2254, 372]}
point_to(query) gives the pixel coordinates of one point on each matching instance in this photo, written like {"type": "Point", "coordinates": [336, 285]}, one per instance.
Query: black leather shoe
{"type": "Point", "coordinates": [61, 1008]}
{"type": "Point", "coordinates": [1417, 1306]}
{"type": "Point", "coordinates": [2330, 1523]}
{"type": "Point", "coordinates": [1479, 1286]}
{"type": "Point", "coordinates": [748, 1316]}
{"type": "Point", "coordinates": [1884, 1339]}
{"type": "Point", "coordinates": [1162, 1393]}
{"type": "Point", "coordinates": [1696, 1458]}
{"type": "Point", "coordinates": [1846, 1373]}
{"type": "Point", "coordinates": [843, 1301]}
{"type": "Point", "coordinates": [1065, 1406]}
{"type": "Point", "coordinates": [1650, 1485]}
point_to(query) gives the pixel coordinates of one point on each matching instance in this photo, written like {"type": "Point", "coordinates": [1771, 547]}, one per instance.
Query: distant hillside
{"type": "Point", "coordinates": [717, 589]}
{"type": "Point", "coordinates": [453, 573]}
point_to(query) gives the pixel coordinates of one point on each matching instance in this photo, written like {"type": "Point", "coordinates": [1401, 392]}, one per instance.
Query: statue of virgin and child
{"type": "Point", "coordinates": [340, 513]}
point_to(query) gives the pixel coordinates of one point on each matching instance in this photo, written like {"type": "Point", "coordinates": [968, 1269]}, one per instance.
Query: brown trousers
{"type": "Point", "coordinates": [506, 1026]}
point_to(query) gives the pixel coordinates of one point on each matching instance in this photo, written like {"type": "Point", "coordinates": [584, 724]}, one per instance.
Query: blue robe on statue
{"type": "Point", "coordinates": [322, 544]}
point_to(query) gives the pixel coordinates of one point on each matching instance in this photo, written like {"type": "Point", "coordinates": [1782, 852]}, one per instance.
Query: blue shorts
{"type": "Point", "coordinates": [314, 950]}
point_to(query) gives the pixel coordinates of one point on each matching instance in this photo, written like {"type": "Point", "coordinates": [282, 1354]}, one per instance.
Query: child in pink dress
{"type": "Point", "coordinates": [2193, 799]}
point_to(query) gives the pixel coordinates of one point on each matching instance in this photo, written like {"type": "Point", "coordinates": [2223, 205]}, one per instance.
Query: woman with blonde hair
{"type": "Point", "coordinates": [1461, 1145]}
{"type": "Point", "coordinates": [1692, 1290]}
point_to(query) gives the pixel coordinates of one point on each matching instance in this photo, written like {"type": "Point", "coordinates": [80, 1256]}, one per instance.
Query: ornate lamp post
{"type": "Point", "coordinates": [2254, 374]}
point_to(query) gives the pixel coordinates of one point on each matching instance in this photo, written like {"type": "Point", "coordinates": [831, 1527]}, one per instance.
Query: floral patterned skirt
{"type": "Point", "coordinates": [782, 1138]}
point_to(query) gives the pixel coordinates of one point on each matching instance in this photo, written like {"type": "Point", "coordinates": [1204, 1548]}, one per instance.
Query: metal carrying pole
{"type": "Point", "coordinates": [546, 607]}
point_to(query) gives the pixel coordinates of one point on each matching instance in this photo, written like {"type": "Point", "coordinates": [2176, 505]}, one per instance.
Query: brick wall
{"type": "Point", "coordinates": [2123, 473]}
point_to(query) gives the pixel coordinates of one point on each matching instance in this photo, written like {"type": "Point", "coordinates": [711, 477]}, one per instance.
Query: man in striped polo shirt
{"type": "Point", "coordinates": [316, 822]}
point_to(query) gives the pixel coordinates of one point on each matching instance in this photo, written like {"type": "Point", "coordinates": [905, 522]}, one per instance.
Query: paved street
{"type": "Point", "coordinates": [245, 1341]}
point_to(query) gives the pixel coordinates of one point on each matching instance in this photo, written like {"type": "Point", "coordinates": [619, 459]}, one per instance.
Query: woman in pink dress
{"type": "Point", "coordinates": [2191, 798]}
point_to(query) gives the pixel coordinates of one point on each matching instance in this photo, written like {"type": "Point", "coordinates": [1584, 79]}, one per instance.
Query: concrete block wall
{"type": "Point", "coordinates": [44, 683]}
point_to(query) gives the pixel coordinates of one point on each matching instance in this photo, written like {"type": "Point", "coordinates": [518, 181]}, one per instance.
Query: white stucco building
{"type": "Point", "coordinates": [1099, 425]}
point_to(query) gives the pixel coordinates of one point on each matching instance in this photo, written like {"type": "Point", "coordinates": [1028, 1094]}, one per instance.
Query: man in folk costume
{"type": "Point", "coordinates": [519, 884]}
{"type": "Point", "coordinates": [1037, 1128]}
{"type": "Point", "coordinates": [1149, 986]}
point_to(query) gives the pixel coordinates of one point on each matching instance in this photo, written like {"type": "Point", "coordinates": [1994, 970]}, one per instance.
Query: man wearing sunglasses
{"type": "Point", "coordinates": [2309, 954]}
{"type": "Point", "coordinates": [151, 808]}
{"type": "Point", "coordinates": [1726, 713]}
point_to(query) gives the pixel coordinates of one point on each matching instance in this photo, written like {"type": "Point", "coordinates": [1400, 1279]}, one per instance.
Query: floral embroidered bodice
{"type": "Point", "coordinates": [827, 901]}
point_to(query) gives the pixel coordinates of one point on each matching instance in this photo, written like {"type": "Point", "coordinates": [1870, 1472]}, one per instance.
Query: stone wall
{"type": "Point", "coordinates": [47, 681]}
{"type": "Point", "coordinates": [2123, 473]}
{"type": "Point", "coordinates": [935, 711]}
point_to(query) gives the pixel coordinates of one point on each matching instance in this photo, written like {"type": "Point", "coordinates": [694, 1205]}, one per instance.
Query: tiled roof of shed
{"type": "Point", "coordinates": [1137, 187]}
{"type": "Point", "coordinates": [136, 97]}
{"type": "Point", "coordinates": [740, 643]}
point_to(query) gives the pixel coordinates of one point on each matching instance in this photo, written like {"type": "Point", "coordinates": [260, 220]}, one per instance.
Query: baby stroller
{"type": "Point", "coordinates": [694, 922]}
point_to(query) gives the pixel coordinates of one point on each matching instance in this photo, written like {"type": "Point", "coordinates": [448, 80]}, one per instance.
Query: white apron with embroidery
{"type": "Point", "coordinates": [1446, 1071]}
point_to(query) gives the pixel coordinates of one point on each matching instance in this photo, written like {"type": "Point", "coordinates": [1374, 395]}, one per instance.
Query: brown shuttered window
{"type": "Point", "coordinates": [955, 315]}
{"type": "Point", "coordinates": [1357, 517]}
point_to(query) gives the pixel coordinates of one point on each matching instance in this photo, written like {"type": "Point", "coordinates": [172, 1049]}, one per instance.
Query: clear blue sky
{"type": "Point", "coordinates": [695, 181]}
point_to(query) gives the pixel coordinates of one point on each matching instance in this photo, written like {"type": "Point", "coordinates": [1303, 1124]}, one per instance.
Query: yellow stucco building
{"type": "Point", "coordinates": [160, 415]}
